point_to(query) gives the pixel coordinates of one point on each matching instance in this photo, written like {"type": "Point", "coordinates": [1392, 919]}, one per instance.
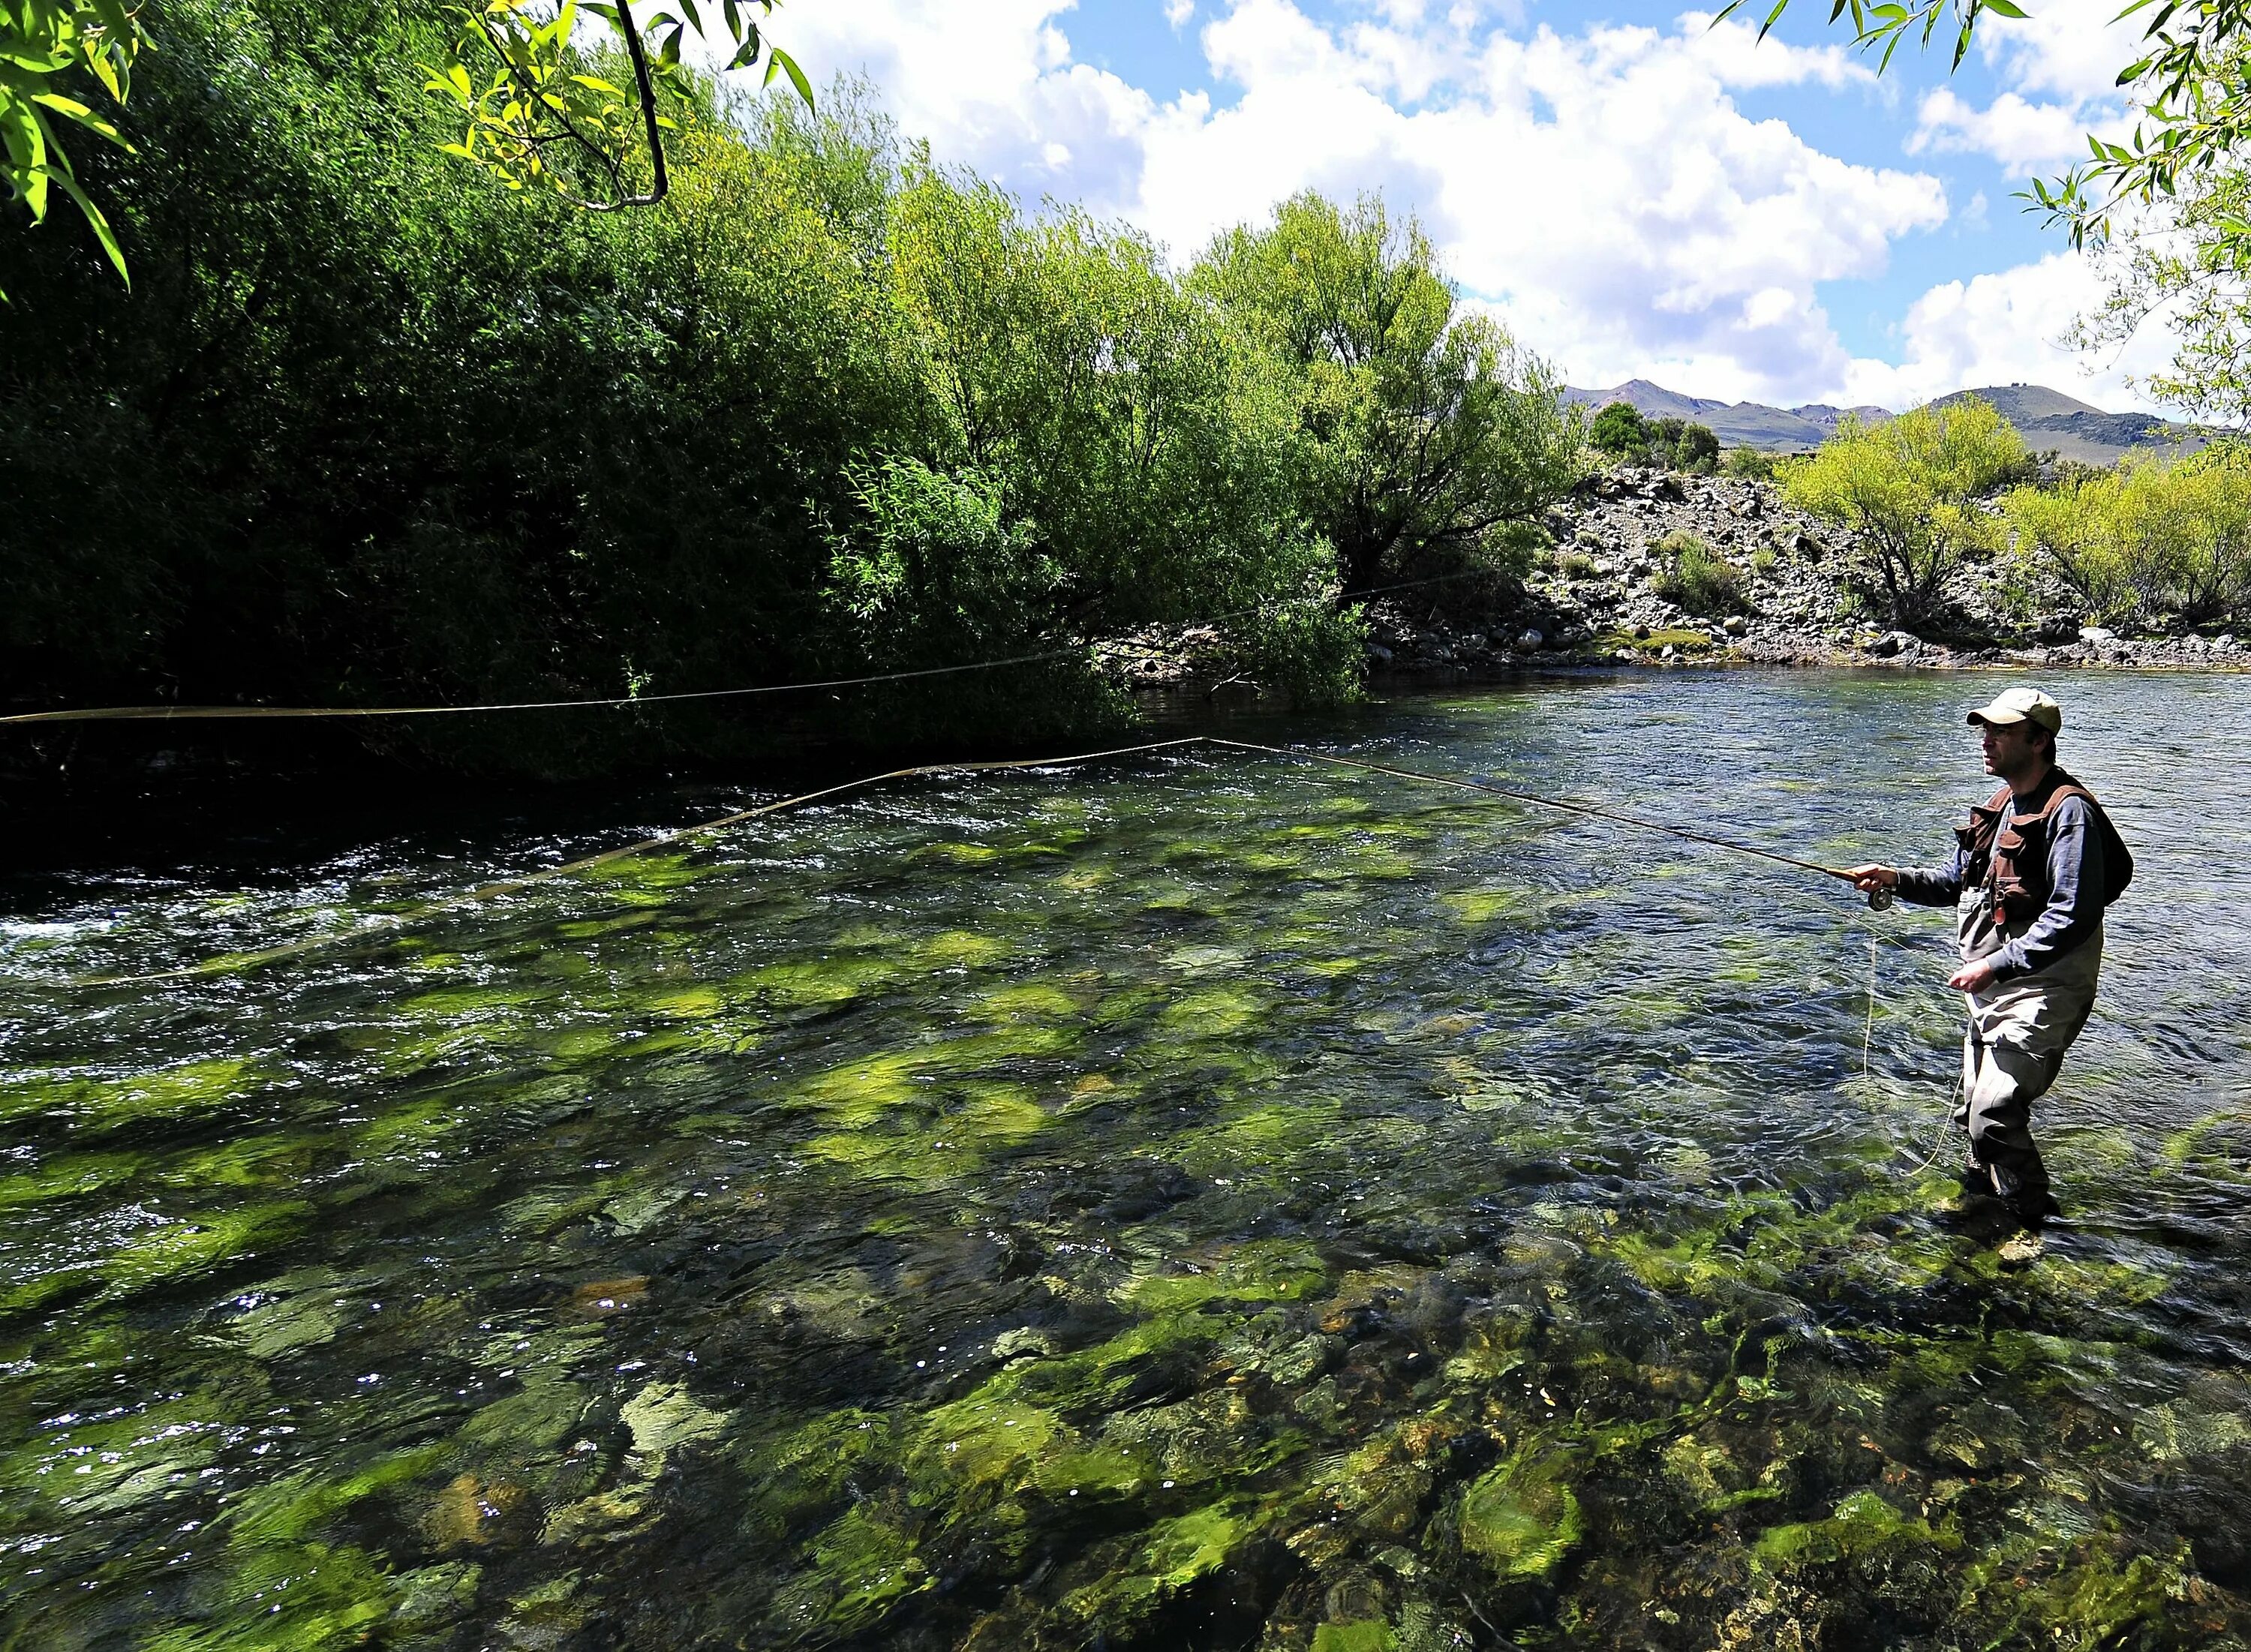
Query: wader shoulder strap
{"type": "Point", "coordinates": [1984, 824]}
{"type": "Point", "coordinates": [2015, 895]}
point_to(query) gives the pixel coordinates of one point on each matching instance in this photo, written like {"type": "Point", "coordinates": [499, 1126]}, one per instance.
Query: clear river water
{"type": "Point", "coordinates": [1195, 1200]}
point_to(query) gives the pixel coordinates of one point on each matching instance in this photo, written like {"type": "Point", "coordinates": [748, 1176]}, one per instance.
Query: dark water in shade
{"type": "Point", "coordinates": [1196, 1201]}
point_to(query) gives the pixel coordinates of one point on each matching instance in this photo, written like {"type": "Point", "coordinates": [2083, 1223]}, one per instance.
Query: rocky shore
{"type": "Point", "coordinates": [1597, 598]}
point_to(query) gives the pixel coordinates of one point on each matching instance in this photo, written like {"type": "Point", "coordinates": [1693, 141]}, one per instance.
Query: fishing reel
{"type": "Point", "coordinates": [1880, 900]}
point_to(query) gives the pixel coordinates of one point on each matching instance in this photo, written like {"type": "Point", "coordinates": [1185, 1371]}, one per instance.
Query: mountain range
{"type": "Point", "coordinates": [2046, 419]}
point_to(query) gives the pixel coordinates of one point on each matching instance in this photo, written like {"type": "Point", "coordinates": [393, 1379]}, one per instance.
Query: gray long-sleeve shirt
{"type": "Point", "coordinates": [2074, 903]}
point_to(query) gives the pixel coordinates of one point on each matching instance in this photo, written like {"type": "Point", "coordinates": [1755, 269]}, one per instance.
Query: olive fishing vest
{"type": "Point", "coordinates": [2012, 864]}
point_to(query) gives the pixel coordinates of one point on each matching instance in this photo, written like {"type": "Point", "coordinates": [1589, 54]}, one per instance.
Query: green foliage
{"type": "Point", "coordinates": [1750, 464]}
{"type": "Point", "coordinates": [1131, 455]}
{"type": "Point", "coordinates": [417, 438]}
{"type": "Point", "coordinates": [2146, 543]}
{"type": "Point", "coordinates": [2185, 256]}
{"type": "Point", "coordinates": [933, 565]}
{"type": "Point", "coordinates": [1677, 444]}
{"type": "Point", "coordinates": [1912, 491]}
{"type": "Point", "coordinates": [526, 92]}
{"type": "Point", "coordinates": [1683, 445]}
{"type": "Point", "coordinates": [1420, 429]}
{"type": "Point", "coordinates": [1619, 432]}
{"type": "Point", "coordinates": [1698, 578]}
{"type": "Point", "coordinates": [44, 45]}
{"type": "Point", "coordinates": [2192, 99]}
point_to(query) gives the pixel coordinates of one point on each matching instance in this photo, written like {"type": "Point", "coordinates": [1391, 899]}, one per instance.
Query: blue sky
{"type": "Point", "coordinates": [1634, 193]}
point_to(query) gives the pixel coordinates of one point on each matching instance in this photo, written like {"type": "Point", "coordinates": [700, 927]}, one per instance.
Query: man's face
{"type": "Point", "coordinates": [2011, 748]}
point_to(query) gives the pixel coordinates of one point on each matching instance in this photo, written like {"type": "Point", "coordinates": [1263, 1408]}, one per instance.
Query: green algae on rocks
{"type": "Point", "coordinates": [1206, 1206]}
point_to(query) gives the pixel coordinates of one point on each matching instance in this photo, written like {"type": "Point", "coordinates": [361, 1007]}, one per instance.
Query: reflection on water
{"type": "Point", "coordinates": [1198, 1201]}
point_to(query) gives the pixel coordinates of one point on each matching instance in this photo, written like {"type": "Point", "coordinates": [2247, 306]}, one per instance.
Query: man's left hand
{"type": "Point", "coordinates": [1972, 977]}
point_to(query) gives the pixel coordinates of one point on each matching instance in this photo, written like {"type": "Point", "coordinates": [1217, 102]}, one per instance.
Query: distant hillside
{"type": "Point", "coordinates": [2046, 419]}
{"type": "Point", "coordinates": [2077, 430]}
{"type": "Point", "coordinates": [1736, 424]}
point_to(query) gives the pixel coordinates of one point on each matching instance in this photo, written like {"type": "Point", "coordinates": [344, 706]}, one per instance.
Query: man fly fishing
{"type": "Point", "coordinates": [2033, 871]}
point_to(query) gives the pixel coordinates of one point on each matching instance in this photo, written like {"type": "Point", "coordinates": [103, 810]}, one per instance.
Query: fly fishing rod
{"type": "Point", "coordinates": [1879, 900]}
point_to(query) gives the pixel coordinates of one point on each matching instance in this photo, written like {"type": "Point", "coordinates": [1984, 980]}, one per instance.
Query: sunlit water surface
{"type": "Point", "coordinates": [1196, 1200]}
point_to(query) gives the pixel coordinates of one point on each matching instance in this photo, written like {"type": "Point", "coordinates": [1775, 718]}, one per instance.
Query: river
{"type": "Point", "coordinates": [1194, 1200]}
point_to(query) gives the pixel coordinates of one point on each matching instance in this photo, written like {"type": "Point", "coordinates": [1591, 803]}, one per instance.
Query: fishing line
{"type": "Point", "coordinates": [1867, 1072]}
{"type": "Point", "coordinates": [231, 963]}
{"type": "Point", "coordinates": [236, 962]}
{"type": "Point", "coordinates": [1868, 1033]}
{"type": "Point", "coordinates": [1513, 795]}
{"type": "Point", "coordinates": [209, 714]}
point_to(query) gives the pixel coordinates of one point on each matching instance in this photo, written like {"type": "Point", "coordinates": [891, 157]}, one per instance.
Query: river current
{"type": "Point", "coordinates": [1195, 1200]}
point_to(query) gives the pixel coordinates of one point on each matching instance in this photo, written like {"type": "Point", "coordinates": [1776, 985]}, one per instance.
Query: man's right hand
{"type": "Point", "coordinates": [1869, 879]}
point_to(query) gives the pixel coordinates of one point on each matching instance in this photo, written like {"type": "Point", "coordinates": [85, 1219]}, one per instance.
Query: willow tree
{"type": "Point", "coordinates": [1424, 423]}
{"type": "Point", "coordinates": [1913, 493]}
{"type": "Point", "coordinates": [2146, 542]}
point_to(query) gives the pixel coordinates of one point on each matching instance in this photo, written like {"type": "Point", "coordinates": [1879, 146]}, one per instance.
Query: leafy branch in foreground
{"type": "Point", "coordinates": [40, 42]}
{"type": "Point", "coordinates": [529, 94]}
{"type": "Point", "coordinates": [2191, 84]}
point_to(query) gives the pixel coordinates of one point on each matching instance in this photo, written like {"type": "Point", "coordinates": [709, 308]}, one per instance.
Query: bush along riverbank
{"type": "Point", "coordinates": [369, 429]}
{"type": "Point", "coordinates": [1655, 567]}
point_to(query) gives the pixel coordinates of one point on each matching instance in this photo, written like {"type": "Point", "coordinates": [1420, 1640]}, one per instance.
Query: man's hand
{"type": "Point", "coordinates": [1972, 977]}
{"type": "Point", "coordinates": [1870, 879]}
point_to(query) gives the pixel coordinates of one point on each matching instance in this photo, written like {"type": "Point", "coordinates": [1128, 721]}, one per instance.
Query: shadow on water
{"type": "Point", "coordinates": [1199, 1202]}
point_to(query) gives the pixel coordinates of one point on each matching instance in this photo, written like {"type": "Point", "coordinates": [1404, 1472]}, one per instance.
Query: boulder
{"type": "Point", "coordinates": [1734, 625]}
{"type": "Point", "coordinates": [1894, 643]}
{"type": "Point", "coordinates": [1530, 639]}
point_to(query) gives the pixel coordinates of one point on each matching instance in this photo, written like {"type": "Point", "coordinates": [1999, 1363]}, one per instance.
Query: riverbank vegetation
{"type": "Point", "coordinates": [1621, 431]}
{"type": "Point", "coordinates": [2145, 544]}
{"type": "Point", "coordinates": [370, 428]}
{"type": "Point", "coordinates": [1912, 491]}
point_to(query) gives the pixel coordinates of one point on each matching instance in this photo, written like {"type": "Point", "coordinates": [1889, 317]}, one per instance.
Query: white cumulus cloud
{"type": "Point", "coordinates": [1602, 190]}
{"type": "Point", "coordinates": [2005, 328]}
{"type": "Point", "coordinates": [2062, 66]}
{"type": "Point", "coordinates": [2022, 135]}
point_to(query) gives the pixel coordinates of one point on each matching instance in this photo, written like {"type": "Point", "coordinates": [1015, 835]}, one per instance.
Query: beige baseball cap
{"type": "Point", "coordinates": [2021, 705]}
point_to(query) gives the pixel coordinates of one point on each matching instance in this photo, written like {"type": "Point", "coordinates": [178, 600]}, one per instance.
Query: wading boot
{"type": "Point", "coordinates": [2021, 1248]}
{"type": "Point", "coordinates": [2023, 1185]}
{"type": "Point", "coordinates": [2030, 1208]}
{"type": "Point", "coordinates": [1973, 1202]}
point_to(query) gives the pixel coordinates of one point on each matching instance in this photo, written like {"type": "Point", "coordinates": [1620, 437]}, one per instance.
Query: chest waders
{"type": "Point", "coordinates": [2019, 1030]}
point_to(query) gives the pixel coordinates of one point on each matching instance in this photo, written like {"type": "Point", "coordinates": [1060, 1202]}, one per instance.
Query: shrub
{"type": "Point", "coordinates": [1619, 432]}
{"type": "Point", "coordinates": [2147, 542]}
{"type": "Point", "coordinates": [1423, 427]}
{"type": "Point", "coordinates": [1678, 444]}
{"type": "Point", "coordinates": [1575, 564]}
{"type": "Point", "coordinates": [1697, 578]}
{"type": "Point", "coordinates": [1684, 444]}
{"type": "Point", "coordinates": [1911, 490]}
{"type": "Point", "coordinates": [1752, 465]}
